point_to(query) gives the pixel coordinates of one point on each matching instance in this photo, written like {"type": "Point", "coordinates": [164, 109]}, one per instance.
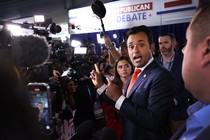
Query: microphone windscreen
{"type": "Point", "coordinates": [108, 134]}
{"type": "Point", "coordinates": [28, 51]}
{"type": "Point", "coordinates": [85, 130]}
{"type": "Point", "coordinates": [98, 8]}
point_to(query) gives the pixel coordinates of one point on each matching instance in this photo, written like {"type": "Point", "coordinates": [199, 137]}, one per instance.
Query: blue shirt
{"type": "Point", "coordinates": [199, 114]}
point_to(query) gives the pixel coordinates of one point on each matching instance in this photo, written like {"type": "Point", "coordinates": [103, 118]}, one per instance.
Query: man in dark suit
{"type": "Point", "coordinates": [146, 108]}
{"type": "Point", "coordinates": [172, 61]}
{"type": "Point", "coordinates": [43, 116]}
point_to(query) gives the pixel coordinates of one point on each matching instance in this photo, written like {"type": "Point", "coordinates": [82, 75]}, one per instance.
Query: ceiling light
{"type": "Point", "coordinates": [39, 18]}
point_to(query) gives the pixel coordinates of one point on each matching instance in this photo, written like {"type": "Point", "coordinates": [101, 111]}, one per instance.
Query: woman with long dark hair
{"type": "Point", "coordinates": [122, 70]}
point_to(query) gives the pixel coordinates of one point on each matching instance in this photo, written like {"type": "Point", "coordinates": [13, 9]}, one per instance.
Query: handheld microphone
{"type": "Point", "coordinates": [108, 134]}
{"type": "Point", "coordinates": [28, 51]}
{"type": "Point", "coordinates": [84, 131]}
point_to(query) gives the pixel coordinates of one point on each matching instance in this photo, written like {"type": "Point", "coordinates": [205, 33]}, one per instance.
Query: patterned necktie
{"type": "Point", "coordinates": [133, 80]}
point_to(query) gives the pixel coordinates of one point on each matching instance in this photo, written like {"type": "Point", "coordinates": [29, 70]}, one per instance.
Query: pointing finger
{"type": "Point", "coordinates": [96, 68]}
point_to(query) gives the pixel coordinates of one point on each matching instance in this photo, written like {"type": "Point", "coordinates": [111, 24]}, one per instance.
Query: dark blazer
{"type": "Point", "coordinates": [179, 132]}
{"type": "Point", "coordinates": [179, 111]}
{"type": "Point", "coordinates": [85, 98]}
{"type": "Point", "coordinates": [45, 117]}
{"type": "Point", "coordinates": [145, 112]}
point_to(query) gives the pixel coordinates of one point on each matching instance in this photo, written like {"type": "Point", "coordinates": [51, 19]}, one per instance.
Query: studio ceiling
{"type": "Point", "coordinates": [55, 9]}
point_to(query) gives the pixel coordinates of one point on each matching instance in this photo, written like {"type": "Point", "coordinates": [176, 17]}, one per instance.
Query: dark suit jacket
{"type": "Point", "coordinates": [146, 111]}
{"type": "Point", "coordinates": [179, 132]}
{"type": "Point", "coordinates": [179, 111]}
{"type": "Point", "coordinates": [45, 117]}
{"type": "Point", "coordinates": [85, 98]}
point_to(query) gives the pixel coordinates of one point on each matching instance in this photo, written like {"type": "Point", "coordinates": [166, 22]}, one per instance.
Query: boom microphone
{"type": "Point", "coordinates": [84, 131]}
{"type": "Point", "coordinates": [99, 9]}
{"type": "Point", "coordinates": [28, 51]}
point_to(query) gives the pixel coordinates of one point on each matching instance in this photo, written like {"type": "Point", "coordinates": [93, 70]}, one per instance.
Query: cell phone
{"type": "Point", "coordinates": [40, 98]}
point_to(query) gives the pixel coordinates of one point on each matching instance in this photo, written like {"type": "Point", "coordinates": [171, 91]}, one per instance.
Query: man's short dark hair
{"type": "Point", "coordinates": [200, 25]}
{"type": "Point", "coordinates": [138, 29]}
{"type": "Point", "coordinates": [40, 103]}
{"type": "Point", "coordinates": [171, 35]}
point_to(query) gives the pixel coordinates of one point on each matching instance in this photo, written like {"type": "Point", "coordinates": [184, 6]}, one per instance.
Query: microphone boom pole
{"type": "Point", "coordinates": [102, 25]}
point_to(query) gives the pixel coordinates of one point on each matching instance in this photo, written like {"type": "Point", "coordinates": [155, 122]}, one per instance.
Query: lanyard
{"type": "Point", "coordinates": [167, 65]}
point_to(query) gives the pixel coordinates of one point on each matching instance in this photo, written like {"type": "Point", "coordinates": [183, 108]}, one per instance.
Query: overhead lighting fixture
{"type": "Point", "coordinates": [100, 39]}
{"type": "Point", "coordinates": [39, 18]}
{"type": "Point", "coordinates": [14, 29]}
{"type": "Point", "coordinates": [80, 50]}
{"type": "Point", "coordinates": [114, 36]}
{"type": "Point", "coordinates": [75, 43]}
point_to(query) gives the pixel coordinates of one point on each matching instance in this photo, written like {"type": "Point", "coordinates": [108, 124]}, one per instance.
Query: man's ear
{"type": "Point", "coordinates": [153, 49]}
{"type": "Point", "coordinates": [206, 52]}
{"type": "Point", "coordinates": [174, 43]}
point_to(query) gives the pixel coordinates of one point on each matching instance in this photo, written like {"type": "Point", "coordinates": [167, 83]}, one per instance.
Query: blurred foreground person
{"type": "Point", "coordinates": [196, 75]}
{"type": "Point", "coordinates": [18, 121]}
{"type": "Point", "coordinates": [123, 49]}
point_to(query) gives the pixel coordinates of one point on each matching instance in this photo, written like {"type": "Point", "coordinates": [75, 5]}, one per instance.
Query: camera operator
{"type": "Point", "coordinates": [84, 97]}
{"type": "Point", "coordinates": [87, 103]}
{"type": "Point", "coordinates": [78, 98]}
{"type": "Point", "coordinates": [69, 88]}
{"type": "Point", "coordinates": [60, 64]}
{"type": "Point", "coordinates": [18, 120]}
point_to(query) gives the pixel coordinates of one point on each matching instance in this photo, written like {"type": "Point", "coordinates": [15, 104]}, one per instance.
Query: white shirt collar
{"type": "Point", "coordinates": [150, 61]}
